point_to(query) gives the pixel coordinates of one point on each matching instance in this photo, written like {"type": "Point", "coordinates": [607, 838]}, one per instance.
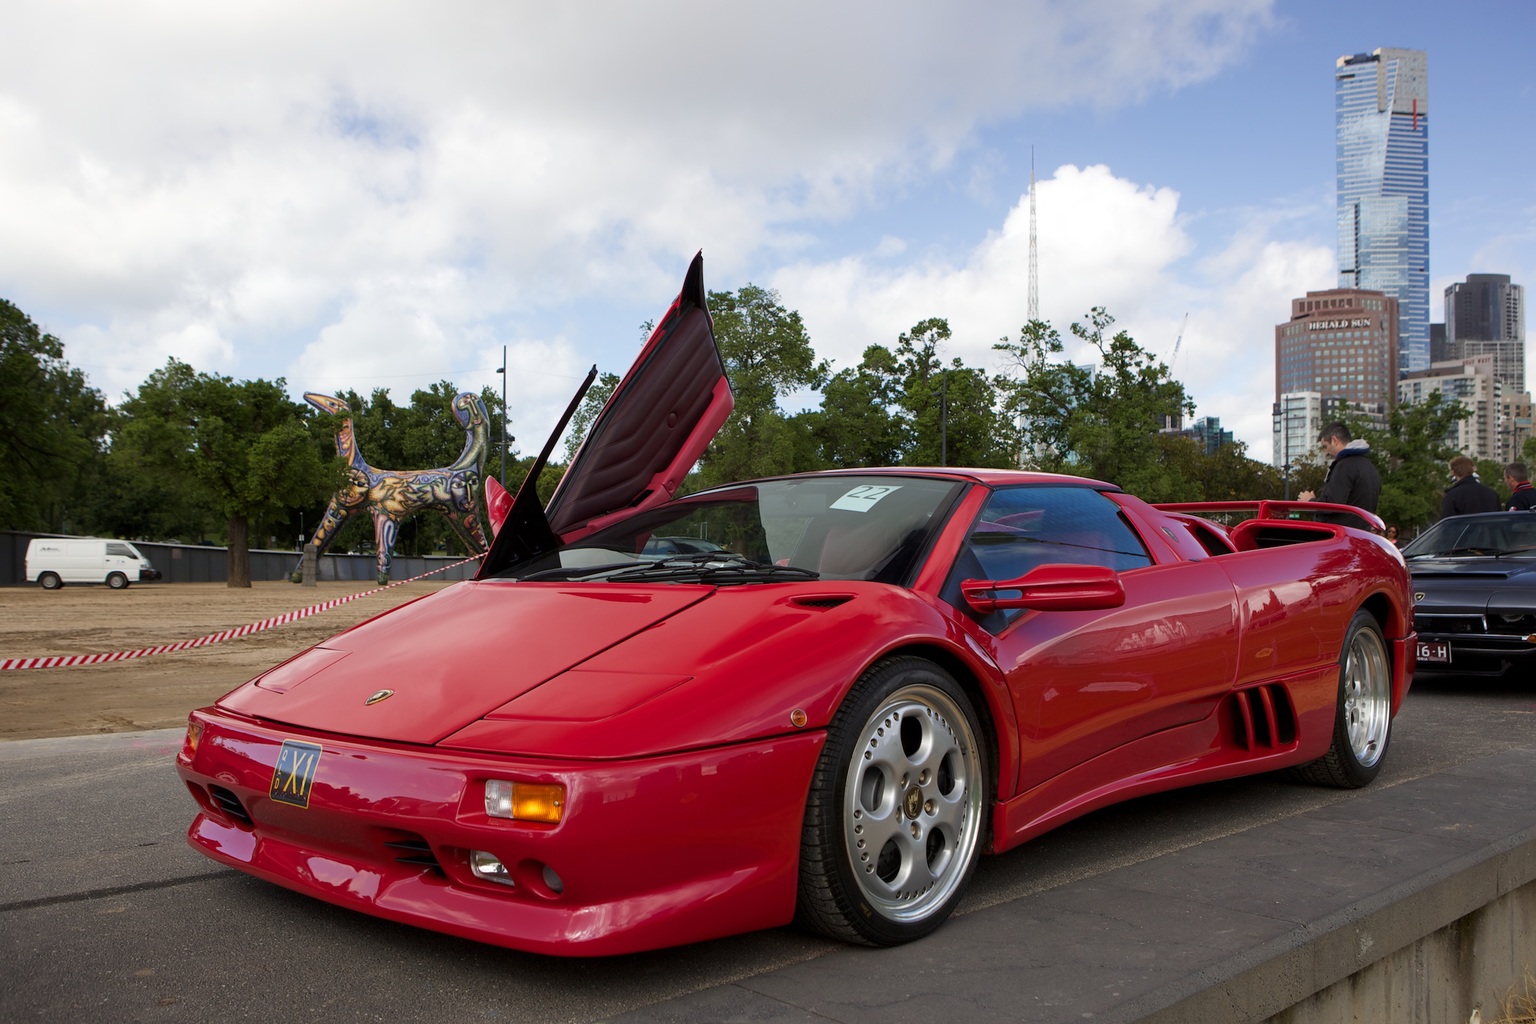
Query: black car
{"type": "Point", "coordinates": [1474, 592]}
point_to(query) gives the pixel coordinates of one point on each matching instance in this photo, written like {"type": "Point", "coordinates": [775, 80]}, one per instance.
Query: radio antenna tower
{"type": "Point", "coordinates": [1034, 255]}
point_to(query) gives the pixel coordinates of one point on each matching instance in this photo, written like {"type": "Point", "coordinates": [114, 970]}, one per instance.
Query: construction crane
{"type": "Point", "coordinates": [1175, 357]}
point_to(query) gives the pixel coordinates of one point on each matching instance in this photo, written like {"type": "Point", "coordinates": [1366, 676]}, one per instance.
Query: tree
{"type": "Point", "coordinates": [243, 448]}
{"type": "Point", "coordinates": [591, 404]}
{"type": "Point", "coordinates": [1097, 421]}
{"type": "Point", "coordinates": [951, 412]}
{"type": "Point", "coordinates": [1228, 474]}
{"type": "Point", "coordinates": [53, 427]}
{"type": "Point", "coordinates": [858, 423]}
{"type": "Point", "coordinates": [768, 356]}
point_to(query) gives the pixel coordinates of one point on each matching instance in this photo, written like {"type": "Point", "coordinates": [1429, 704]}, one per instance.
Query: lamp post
{"type": "Point", "coordinates": [502, 369]}
{"type": "Point", "coordinates": [944, 418]}
{"type": "Point", "coordinates": [1285, 447]}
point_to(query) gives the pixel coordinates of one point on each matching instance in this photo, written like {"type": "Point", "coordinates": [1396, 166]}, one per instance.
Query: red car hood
{"type": "Point", "coordinates": [452, 657]}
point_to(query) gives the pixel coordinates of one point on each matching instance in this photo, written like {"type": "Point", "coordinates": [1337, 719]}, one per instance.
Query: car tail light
{"type": "Point", "coordinates": [525, 801]}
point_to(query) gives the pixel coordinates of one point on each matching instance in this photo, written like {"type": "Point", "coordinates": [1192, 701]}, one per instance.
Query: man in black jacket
{"type": "Point", "coordinates": [1352, 478]}
{"type": "Point", "coordinates": [1522, 496]}
{"type": "Point", "coordinates": [1468, 494]}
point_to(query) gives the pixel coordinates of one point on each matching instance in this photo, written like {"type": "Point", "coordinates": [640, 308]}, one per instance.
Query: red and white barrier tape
{"type": "Point", "coordinates": [69, 660]}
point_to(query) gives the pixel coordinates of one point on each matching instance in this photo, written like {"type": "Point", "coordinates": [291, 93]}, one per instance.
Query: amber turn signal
{"type": "Point", "coordinates": [525, 801]}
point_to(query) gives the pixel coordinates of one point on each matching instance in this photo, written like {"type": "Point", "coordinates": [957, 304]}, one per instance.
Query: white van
{"type": "Point", "coordinates": [55, 561]}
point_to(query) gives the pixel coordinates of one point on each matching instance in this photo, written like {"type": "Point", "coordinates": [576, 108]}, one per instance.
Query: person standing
{"type": "Point", "coordinates": [1467, 494]}
{"type": "Point", "coordinates": [1522, 496]}
{"type": "Point", "coordinates": [1352, 478]}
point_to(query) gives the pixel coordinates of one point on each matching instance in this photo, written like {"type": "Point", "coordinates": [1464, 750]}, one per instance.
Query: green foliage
{"type": "Point", "coordinates": [859, 423]}
{"type": "Point", "coordinates": [241, 450]}
{"type": "Point", "coordinates": [768, 356]}
{"type": "Point", "coordinates": [951, 412]}
{"type": "Point", "coordinates": [591, 404]}
{"type": "Point", "coordinates": [1412, 455]}
{"type": "Point", "coordinates": [1100, 422]}
{"type": "Point", "coordinates": [53, 427]}
{"type": "Point", "coordinates": [548, 480]}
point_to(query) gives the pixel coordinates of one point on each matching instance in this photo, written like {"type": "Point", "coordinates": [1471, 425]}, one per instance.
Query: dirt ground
{"type": "Point", "coordinates": [157, 691]}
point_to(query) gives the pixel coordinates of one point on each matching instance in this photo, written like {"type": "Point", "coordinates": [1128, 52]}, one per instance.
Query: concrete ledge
{"type": "Point", "coordinates": [1412, 904]}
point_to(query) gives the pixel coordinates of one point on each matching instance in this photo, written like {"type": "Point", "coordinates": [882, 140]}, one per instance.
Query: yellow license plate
{"type": "Point", "coordinates": [294, 775]}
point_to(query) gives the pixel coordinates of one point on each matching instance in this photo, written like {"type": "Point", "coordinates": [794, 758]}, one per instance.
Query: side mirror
{"type": "Point", "coordinates": [1055, 588]}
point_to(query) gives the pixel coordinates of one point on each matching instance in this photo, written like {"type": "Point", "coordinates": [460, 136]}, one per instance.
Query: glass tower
{"type": "Point", "coordinates": [1381, 120]}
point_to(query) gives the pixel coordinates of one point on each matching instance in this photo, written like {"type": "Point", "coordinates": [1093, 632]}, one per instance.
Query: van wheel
{"type": "Point", "coordinates": [50, 581]}
{"type": "Point", "coordinates": [117, 581]}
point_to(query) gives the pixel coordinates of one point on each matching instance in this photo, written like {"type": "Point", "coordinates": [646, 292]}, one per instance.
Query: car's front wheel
{"type": "Point", "coordinates": [895, 819]}
{"type": "Point", "coordinates": [1362, 724]}
{"type": "Point", "coordinates": [117, 581]}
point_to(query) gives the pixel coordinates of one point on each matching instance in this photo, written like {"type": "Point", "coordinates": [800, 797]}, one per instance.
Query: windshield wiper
{"type": "Point", "coordinates": [577, 572]}
{"type": "Point", "coordinates": [1450, 552]}
{"type": "Point", "coordinates": [720, 568]}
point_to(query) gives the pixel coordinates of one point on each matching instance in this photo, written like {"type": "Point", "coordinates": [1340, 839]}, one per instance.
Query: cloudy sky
{"type": "Point", "coordinates": [384, 194]}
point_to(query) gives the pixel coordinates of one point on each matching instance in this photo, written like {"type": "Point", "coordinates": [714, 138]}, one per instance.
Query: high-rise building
{"type": "Point", "coordinates": [1470, 382]}
{"type": "Point", "coordinates": [1485, 315]}
{"type": "Point", "coordinates": [1381, 123]}
{"type": "Point", "coordinates": [1298, 419]}
{"type": "Point", "coordinates": [1343, 345]}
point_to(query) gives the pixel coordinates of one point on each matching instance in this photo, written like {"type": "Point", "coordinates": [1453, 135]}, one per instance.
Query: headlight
{"type": "Point", "coordinates": [193, 738]}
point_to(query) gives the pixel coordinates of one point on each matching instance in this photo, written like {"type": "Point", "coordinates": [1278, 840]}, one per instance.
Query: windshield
{"type": "Point", "coordinates": [836, 527]}
{"type": "Point", "coordinates": [1498, 534]}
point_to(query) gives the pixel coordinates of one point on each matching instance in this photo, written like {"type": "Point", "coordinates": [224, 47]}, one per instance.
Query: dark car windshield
{"type": "Point", "coordinates": [1497, 534]}
{"type": "Point", "coordinates": [833, 527]}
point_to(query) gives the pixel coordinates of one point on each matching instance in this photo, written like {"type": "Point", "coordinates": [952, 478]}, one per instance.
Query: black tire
{"type": "Point", "coordinates": [897, 812]}
{"type": "Point", "coordinates": [49, 580]}
{"type": "Point", "coordinates": [1362, 724]}
{"type": "Point", "coordinates": [117, 581]}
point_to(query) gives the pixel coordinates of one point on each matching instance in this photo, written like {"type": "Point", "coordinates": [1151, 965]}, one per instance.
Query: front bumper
{"type": "Point", "coordinates": [650, 853]}
{"type": "Point", "coordinates": [1482, 654]}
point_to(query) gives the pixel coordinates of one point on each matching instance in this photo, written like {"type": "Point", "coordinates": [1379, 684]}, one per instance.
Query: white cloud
{"type": "Point", "coordinates": [1102, 241]}
{"type": "Point", "coordinates": [357, 188]}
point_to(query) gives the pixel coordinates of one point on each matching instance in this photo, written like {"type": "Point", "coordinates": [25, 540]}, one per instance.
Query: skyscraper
{"type": "Point", "coordinates": [1381, 121]}
{"type": "Point", "coordinates": [1485, 315]}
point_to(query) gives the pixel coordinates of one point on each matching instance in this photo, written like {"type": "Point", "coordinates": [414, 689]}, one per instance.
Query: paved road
{"type": "Point", "coordinates": [106, 914]}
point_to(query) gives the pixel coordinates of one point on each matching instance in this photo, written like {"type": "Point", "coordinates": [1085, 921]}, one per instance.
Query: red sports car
{"type": "Point", "coordinates": [860, 683]}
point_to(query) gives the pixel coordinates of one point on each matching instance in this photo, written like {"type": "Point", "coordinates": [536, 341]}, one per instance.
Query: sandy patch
{"type": "Point", "coordinates": [156, 692]}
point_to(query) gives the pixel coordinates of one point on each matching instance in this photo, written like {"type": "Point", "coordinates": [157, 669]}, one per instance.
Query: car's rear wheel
{"type": "Point", "coordinates": [895, 818]}
{"type": "Point", "coordinates": [50, 581]}
{"type": "Point", "coordinates": [1362, 725]}
{"type": "Point", "coordinates": [117, 581]}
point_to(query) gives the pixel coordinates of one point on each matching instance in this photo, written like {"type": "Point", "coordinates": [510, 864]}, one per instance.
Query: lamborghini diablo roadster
{"type": "Point", "coordinates": [851, 687]}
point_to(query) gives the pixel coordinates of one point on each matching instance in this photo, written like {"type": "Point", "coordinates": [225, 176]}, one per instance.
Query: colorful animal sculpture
{"type": "Point", "coordinates": [391, 496]}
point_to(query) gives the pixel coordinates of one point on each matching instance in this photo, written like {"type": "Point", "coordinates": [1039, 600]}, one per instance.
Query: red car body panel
{"type": "Point", "coordinates": [684, 718]}
{"type": "Point", "coordinates": [698, 859]}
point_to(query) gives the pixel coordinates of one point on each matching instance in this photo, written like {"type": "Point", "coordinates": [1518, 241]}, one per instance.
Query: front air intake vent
{"type": "Point", "coordinates": [230, 805]}
{"type": "Point", "coordinates": [413, 849]}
